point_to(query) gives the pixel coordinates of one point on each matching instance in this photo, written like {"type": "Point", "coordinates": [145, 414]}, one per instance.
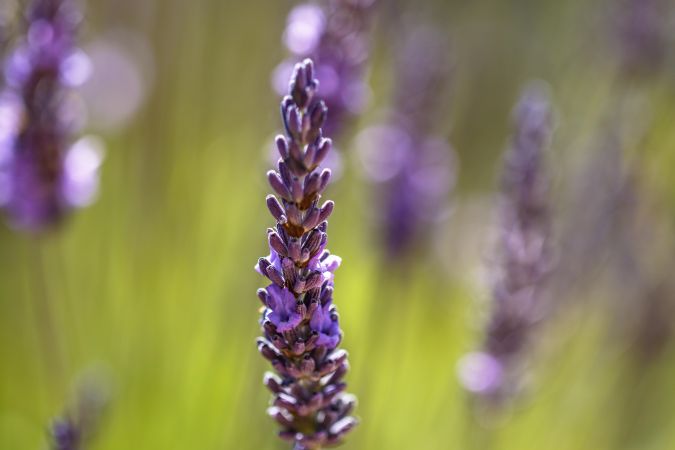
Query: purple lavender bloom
{"type": "Point", "coordinates": [65, 435]}
{"type": "Point", "coordinates": [77, 427]}
{"type": "Point", "coordinates": [481, 372]}
{"type": "Point", "coordinates": [42, 175]}
{"type": "Point", "coordinates": [324, 321]}
{"type": "Point", "coordinates": [653, 326]}
{"type": "Point", "coordinates": [300, 323]}
{"type": "Point", "coordinates": [337, 39]}
{"type": "Point", "coordinates": [282, 308]}
{"type": "Point", "coordinates": [642, 36]}
{"type": "Point", "coordinates": [524, 255]}
{"type": "Point", "coordinates": [413, 168]}
{"type": "Point", "coordinates": [325, 263]}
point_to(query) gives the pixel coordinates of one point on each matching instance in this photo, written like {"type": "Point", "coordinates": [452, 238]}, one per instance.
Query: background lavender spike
{"type": "Point", "coordinates": [643, 301]}
{"type": "Point", "coordinates": [300, 322]}
{"type": "Point", "coordinates": [641, 31]}
{"type": "Point", "coordinates": [337, 39]}
{"type": "Point", "coordinates": [641, 306]}
{"type": "Point", "coordinates": [524, 257]}
{"type": "Point", "coordinates": [65, 435]}
{"type": "Point", "coordinates": [42, 174]}
{"type": "Point", "coordinates": [76, 428]}
{"type": "Point", "coordinates": [593, 233]}
{"type": "Point", "coordinates": [423, 71]}
{"type": "Point", "coordinates": [414, 169]}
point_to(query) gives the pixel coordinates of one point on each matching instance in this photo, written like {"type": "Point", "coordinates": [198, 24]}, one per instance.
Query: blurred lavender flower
{"type": "Point", "coordinates": [593, 232]}
{"type": "Point", "coordinates": [65, 435]}
{"type": "Point", "coordinates": [524, 255]}
{"type": "Point", "coordinates": [300, 322]}
{"type": "Point", "coordinates": [75, 429]}
{"type": "Point", "coordinates": [653, 326]}
{"type": "Point", "coordinates": [642, 37]}
{"type": "Point", "coordinates": [414, 169]}
{"type": "Point", "coordinates": [41, 174]}
{"type": "Point", "coordinates": [616, 238]}
{"type": "Point", "coordinates": [637, 262]}
{"type": "Point", "coordinates": [644, 300]}
{"type": "Point", "coordinates": [337, 39]}
{"type": "Point", "coordinates": [121, 79]}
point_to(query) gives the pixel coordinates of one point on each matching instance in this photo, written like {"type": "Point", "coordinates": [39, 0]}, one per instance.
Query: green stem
{"type": "Point", "coordinates": [46, 324]}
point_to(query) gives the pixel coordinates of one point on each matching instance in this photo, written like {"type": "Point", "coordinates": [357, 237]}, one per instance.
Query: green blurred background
{"type": "Point", "coordinates": [154, 284]}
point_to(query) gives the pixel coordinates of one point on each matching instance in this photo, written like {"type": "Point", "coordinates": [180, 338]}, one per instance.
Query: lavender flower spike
{"type": "Point", "coordinates": [42, 174]}
{"type": "Point", "coordinates": [642, 36]}
{"type": "Point", "coordinates": [413, 167]}
{"type": "Point", "coordinates": [524, 256]}
{"type": "Point", "coordinates": [300, 322]}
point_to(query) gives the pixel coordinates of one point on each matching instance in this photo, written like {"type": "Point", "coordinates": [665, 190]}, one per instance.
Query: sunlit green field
{"type": "Point", "coordinates": [153, 287]}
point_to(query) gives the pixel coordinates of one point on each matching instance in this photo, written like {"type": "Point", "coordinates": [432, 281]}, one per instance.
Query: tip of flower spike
{"type": "Point", "coordinates": [302, 85]}
{"type": "Point", "coordinates": [308, 65]}
{"type": "Point", "coordinates": [533, 113]}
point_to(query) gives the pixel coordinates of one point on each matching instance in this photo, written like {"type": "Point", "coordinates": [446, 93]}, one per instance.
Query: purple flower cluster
{"type": "Point", "coordinates": [336, 38]}
{"type": "Point", "coordinates": [524, 255]}
{"type": "Point", "coordinates": [300, 322]}
{"type": "Point", "coordinates": [642, 35]}
{"type": "Point", "coordinates": [413, 168]}
{"type": "Point", "coordinates": [42, 174]}
{"type": "Point", "coordinates": [77, 427]}
{"type": "Point", "coordinates": [65, 435]}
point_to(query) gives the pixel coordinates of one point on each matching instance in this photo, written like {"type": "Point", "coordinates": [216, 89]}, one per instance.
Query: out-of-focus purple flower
{"type": "Point", "coordinates": [121, 78]}
{"type": "Point", "coordinates": [305, 26]}
{"type": "Point", "coordinates": [617, 234]}
{"type": "Point", "coordinates": [643, 300]}
{"type": "Point", "coordinates": [642, 35]}
{"type": "Point", "coordinates": [414, 169]}
{"type": "Point", "coordinates": [602, 197]}
{"type": "Point", "coordinates": [424, 70]}
{"type": "Point", "coordinates": [524, 256]}
{"type": "Point", "coordinates": [41, 175]}
{"type": "Point", "coordinates": [652, 321]}
{"type": "Point", "coordinates": [300, 322]}
{"type": "Point", "coordinates": [337, 39]}
{"type": "Point", "coordinates": [480, 372]}
{"type": "Point", "coordinates": [81, 166]}
{"type": "Point", "coordinates": [76, 428]}
{"type": "Point", "coordinates": [65, 435]}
